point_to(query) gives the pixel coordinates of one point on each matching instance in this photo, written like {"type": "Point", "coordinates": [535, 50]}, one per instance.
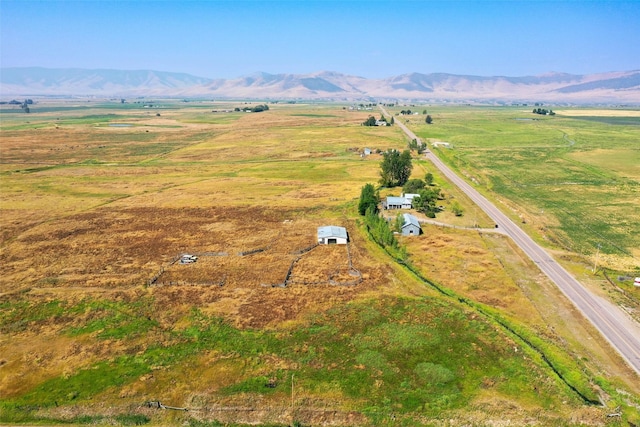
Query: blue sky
{"type": "Point", "coordinates": [226, 39]}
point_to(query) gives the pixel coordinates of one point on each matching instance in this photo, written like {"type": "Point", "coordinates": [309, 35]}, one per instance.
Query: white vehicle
{"type": "Point", "coordinates": [188, 259]}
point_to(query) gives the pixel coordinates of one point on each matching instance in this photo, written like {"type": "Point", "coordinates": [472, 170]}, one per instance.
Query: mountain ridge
{"type": "Point", "coordinates": [611, 87]}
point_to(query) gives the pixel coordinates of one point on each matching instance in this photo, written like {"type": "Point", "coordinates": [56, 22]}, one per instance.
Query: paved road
{"type": "Point", "coordinates": [617, 327]}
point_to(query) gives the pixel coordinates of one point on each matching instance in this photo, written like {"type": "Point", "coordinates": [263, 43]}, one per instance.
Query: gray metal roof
{"type": "Point", "coordinates": [410, 219]}
{"type": "Point", "coordinates": [391, 200]}
{"type": "Point", "coordinates": [332, 231]}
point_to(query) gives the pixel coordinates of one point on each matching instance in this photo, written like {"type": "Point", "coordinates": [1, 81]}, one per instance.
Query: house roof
{"type": "Point", "coordinates": [410, 195]}
{"type": "Point", "coordinates": [410, 220]}
{"type": "Point", "coordinates": [391, 200]}
{"type": "Point", "coordinates": [332, 231]}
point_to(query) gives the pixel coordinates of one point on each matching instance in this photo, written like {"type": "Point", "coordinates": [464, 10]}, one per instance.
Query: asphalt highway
{"type": "Point", "coordinates": [616, 326]}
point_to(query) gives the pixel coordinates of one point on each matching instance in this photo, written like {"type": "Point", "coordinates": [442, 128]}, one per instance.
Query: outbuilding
{"type": "Point", "coordinates": [411, 226]}
{"type": "Point", "coordinates": [332, 235]}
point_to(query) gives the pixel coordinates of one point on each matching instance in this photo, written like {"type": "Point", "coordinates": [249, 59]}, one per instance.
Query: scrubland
{"type": "Point", "coordinates": [100, 198]}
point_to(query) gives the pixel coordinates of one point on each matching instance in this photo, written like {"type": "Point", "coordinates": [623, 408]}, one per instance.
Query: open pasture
{"type": "Point", "coordinates": [574, 182]}
{"type": "Point", "coordinates": [92, 212]}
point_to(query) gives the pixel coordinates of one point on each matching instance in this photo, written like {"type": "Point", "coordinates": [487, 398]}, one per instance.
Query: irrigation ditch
{"type": "Point", "coordinates": [488, 314]}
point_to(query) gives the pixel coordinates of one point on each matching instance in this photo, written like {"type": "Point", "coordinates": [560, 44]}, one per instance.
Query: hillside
{"type": "Point", "coordinates": [614, 87]}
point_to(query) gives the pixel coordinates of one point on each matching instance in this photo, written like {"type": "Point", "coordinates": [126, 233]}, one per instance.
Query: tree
{"type": "Point", "coordinates": [395, 168]}
{"type": "Point", "coordinates": [379, 229]}
{"type": "Point", "coordinates": [428, 179]}
{"type": "Point", "coordinates": [399, 222]}
{"type": "Point", "coordinates": [371, 121]}
{"type": "Point", "coordinates": [369, 199]}
{"type": "Point", "coordinates": [426, 201]}
{"type": "Point", "coordinates": [413, 186]}
{"type": "Point", "coordinates": [428, 120]}
{"type": "Point", "coordinates": [456, 208]}
{"type": "Point", "coordinates": [392, 121]}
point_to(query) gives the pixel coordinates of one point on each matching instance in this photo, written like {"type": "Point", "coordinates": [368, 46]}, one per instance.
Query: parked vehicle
{"type": "Point", "coordinates": [188, 259]}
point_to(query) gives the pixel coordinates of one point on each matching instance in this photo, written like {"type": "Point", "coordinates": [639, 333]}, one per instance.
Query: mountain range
{"type": "Point", "coordinates": [621, 87]}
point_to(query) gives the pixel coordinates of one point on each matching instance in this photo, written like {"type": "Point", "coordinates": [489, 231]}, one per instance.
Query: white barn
{"type": "Point", "coordinates": [332, 235]}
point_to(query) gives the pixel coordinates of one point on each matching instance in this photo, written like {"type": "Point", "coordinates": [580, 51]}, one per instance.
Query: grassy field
{"type": "Point", "coordinates": [96, 319]}
{"type": "Point", "coordinates": [573, 177]}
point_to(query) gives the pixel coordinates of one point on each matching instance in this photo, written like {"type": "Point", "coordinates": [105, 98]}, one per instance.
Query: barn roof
{"type": "Point", "coordinates": [332, 231]}
{"type": "Point", "coordinates": [410, 219]}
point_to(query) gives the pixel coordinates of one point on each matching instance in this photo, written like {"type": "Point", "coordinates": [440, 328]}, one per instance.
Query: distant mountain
{"type": "Point", "coordinates": [614, 87]}
{"type": "Point", "coordinates": [76, 81]}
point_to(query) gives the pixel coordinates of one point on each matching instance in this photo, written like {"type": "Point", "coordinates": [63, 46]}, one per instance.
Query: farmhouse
{"type": "Point", "coordinates": [411, 226]}
{"type": "Point", "coordinates": [396, 203]}
{"type": "Point", "coordinates": [332, 235]}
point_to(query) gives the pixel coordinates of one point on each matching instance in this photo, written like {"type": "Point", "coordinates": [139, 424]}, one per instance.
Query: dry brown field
{"type": "Point", "coordinates": [95, 212]}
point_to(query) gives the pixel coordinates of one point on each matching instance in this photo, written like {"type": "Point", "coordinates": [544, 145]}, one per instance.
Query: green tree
{"type": "Point", "coordinates": [399, 222]}
{"type": "Point", "coordinates": [392, 121]}
{"type": "Point", "coordinates": [371, 121]}
{"type": "Point", "coordinates": [428, 120]}
{"type": "Point", "coordinates": [428, 179]}
{"type": "Point", "coordinates": [395, 168]}
{"type": "Point", "coordinates": [413, 186]}
{"type": "Point", "coordinates": [426, 201]}
{"type": "Point", "coordinates": [456, 208]}
{"type": "Point", "coordinates": [379, 229]}
{"type": "Point", "coordinates": [369, 199]}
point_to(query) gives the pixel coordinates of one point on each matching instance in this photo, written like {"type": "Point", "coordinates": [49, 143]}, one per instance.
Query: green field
{"type": "Point", "coordinates": [574, 180]}
{"type": "Point", "coordinates": [462, 331]}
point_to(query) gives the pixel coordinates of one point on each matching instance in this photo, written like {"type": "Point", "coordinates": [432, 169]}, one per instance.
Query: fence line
{"type": "Point", "coordinates": [288, 280]}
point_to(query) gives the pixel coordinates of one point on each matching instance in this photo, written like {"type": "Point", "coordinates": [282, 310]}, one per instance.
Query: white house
{"type": "Point", "coordinates": [396, 203]}
{"type": "Point", "coordinates": [411, 226]}
{"type": "Point", "coordinates": [332, 235]}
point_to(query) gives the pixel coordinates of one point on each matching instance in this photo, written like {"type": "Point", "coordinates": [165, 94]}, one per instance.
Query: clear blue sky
{"type": "Point", "coordinates": [226, 39]}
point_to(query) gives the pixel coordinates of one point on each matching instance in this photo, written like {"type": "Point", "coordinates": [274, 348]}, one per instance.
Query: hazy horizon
{"type": "Point", "coordinates": [372, 39]}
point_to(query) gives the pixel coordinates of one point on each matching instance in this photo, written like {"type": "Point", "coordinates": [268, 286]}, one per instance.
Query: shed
{"type": "Point", "coordinates": [397, 203]}
{"type": "Point", "coordinates": [332, 235]}
{"type": "Point", "coordinates": [411, 226]}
